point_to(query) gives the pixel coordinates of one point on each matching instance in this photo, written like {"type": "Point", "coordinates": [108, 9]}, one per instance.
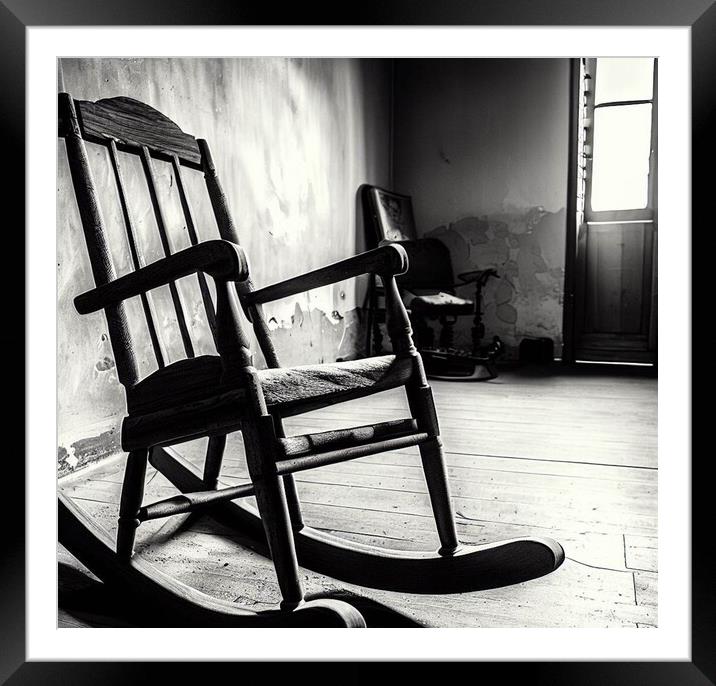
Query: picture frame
{"type": "Point", "coordinates": [700, 15]}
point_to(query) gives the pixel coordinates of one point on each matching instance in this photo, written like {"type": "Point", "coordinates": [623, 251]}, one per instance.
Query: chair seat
{"type": "Point", "coordinates": [187, 399]}
{"type": "Point", "coordinates": [437, 304]}
{"type": "Point", "coordinates": [297, 389]}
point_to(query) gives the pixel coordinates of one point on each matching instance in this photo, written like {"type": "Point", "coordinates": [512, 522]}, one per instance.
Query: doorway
{"type": "Point", "coordinates": [613, 284]}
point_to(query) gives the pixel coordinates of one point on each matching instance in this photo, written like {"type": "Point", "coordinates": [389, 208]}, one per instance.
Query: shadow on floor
{"type": "Point", "coordinates": [94, 604]}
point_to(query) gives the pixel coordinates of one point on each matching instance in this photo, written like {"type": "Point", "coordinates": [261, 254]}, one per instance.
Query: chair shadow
{"type": "Point", "coordinates": [97, 605]}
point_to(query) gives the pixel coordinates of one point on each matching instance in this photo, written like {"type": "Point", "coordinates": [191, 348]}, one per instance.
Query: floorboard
{"type": "Point", "coordinates": [571, 456]}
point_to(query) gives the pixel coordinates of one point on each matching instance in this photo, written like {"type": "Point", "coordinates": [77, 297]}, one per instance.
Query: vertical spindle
{"type": "Point", "coordinates": [147, 305]}
{"type": "Point", "coordinates": [194, 239]}
{"type": "Point", "coordinates": [162, 227]}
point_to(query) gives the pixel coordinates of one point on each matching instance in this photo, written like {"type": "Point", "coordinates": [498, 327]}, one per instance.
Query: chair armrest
{"type": "Point", "coordinates": [220, 259]}
{"type": "Point", "coordinates": [384, 260]}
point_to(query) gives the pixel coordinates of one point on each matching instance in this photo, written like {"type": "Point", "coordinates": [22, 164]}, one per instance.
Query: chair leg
{"type": "Point", "coordinates": [289, 485]}
{"type": "Point", "coordinates": [293, 502]}
{"type": "Point", "coordinates": [422, 407]}
{"type": "Point", "coordinates": [369, 310]}
{"type": "Point", "coordinates": [273, 508]}
{"type": "Point", "coordinates": [214, 458]}
{"type": "Point", "coordinates": [447, 334]}
{"type": "Point", "coordinates": [431, 454]}
{"type": "Point", "coordinates": [422, 333]}
{"type": "Point", "coordinates": [377, 337]}
{"type": "Point", "coordinates": [130, 502]}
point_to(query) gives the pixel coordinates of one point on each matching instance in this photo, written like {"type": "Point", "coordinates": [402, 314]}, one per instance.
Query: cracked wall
{"type": "Point", "coordinates": [481, 146]}
{"type": "Point", "coordinates": [292, 139]}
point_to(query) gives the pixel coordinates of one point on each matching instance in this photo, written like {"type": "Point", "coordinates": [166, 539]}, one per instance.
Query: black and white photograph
{"type": "Point", "coordinates": [357, 342]}
{"type": "Point", "coordinates": [357, 326]}
{"type": "Point", "coordinates": [349, 317]}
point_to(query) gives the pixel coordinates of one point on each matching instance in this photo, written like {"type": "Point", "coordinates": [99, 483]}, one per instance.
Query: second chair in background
{"type": "Point", "coordinates": [428, 291]}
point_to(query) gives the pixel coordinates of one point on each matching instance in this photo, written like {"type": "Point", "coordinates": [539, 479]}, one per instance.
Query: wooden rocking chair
{"type": "Point", "coordinates": [214, 395]}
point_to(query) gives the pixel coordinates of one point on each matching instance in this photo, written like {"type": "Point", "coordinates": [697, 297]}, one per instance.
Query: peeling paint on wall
{"type": "Point", "coordinates": [329, 336]}
{"type": "Point", "coordinates": [293, 139]}
{"type": "Point", "coordinates": [523, 246]}
{"type": "Point", "coordinates": [86, 450]}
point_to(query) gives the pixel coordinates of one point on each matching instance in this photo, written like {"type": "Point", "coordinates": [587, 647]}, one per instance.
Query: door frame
{"type": "Point", "coordinates": [579, 160]}
{"type": "Point", "coordinates": [570, 263]}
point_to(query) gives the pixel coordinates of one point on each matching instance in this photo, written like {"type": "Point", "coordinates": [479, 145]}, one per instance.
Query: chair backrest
{"type": "Point", "coordinates": [388, 217]}
{"type": "Point", "coordinates": [147, 157]}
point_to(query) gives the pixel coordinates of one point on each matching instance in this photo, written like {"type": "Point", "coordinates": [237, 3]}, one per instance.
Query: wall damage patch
{"type": "Point", "coordinates": [87, 450]}
{"type": "Point", "coordinates": [526, 246]}
{"type": "Point", "coordinates": [311, 336]}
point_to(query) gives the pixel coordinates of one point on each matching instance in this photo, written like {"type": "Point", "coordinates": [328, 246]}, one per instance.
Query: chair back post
{"type": "Point", "coordinates": [397, 322]}
{"type": "Point", "coordinates": [96, 240]}
{"type": "Point", "coordinates": [388, 216]}
{"type": "Point", "coordinates": [227, 230]}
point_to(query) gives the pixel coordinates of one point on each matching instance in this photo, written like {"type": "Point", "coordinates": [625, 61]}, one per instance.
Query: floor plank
{"type": "Point", "coordinates": [572, 457]}
{"type": "Point", "coordinates": [641, 552]}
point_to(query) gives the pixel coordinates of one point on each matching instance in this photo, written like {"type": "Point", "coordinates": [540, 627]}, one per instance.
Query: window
{"type": "Point", "coordinates": [622, 114]}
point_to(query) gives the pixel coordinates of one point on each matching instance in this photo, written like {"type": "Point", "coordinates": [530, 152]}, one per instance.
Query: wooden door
{"type": "Point", "coordinates": [615, 280]}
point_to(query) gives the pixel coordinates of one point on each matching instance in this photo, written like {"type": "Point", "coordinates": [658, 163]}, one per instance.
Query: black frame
{"type": "Point", "coordinates": [700, 15]}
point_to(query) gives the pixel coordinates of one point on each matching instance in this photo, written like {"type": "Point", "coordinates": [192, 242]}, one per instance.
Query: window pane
{"type": "Point", "coordinates": [624, 78]}
{"type": "Point", "coordinates": [620, 169]}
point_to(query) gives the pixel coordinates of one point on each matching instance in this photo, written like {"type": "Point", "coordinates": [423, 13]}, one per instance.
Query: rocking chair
{"type": "Point", "coordinates": [214, 395]}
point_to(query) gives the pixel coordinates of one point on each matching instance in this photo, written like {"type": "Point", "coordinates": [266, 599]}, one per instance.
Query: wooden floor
{"type": "Point", "coordinates": [571, 456]}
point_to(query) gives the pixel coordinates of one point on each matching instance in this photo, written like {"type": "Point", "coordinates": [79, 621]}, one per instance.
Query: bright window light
{"type": "Point", "coordinates": [624, 78]}
{"type": "Point", "coordinates": [622, 144]}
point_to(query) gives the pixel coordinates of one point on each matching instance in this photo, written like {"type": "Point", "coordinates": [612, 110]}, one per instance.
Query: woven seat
{"type": "Point", "coordinates": [284, 388]}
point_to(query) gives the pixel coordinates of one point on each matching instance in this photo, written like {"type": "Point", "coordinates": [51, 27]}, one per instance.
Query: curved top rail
{"type": "Point", "coordinates": [133, 124]}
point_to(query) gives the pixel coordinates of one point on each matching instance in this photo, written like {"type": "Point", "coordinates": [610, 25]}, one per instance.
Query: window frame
{"type": "Point", "coordinates": [640, 215]}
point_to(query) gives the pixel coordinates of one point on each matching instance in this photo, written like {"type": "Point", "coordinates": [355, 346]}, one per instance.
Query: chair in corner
{"type": "Point", "coordinates": [428, 292]}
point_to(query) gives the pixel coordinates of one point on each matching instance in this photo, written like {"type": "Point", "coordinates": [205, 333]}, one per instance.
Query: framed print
{"type": "Point", "coordinates": [153, 83]}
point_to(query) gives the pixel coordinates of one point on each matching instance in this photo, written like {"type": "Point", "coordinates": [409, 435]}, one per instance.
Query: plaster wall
{"type": "Point", "coordinates": [481, 145]}
{"type": "Point", "coordinates": [292, 139]}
